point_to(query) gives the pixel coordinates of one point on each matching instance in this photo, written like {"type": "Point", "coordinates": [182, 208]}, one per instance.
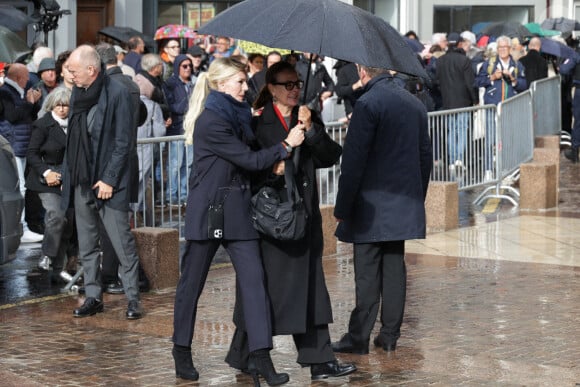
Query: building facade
{"type": "Point", "coordinates": [425, 17]}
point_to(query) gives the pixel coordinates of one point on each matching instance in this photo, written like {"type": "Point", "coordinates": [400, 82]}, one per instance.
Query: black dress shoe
{"type": "Point", "coordinates": [114, 288]}
{"type": "Point", "coordinates": [90, 307]}
{"type": "Point", "coordinates": [572, 154]}
{"type": "Point", "coordinates": [386, 344]}
{"type": "Point", "coordinates": [347, 345]}
{"type": "Point", "coordinates": [330, 370]}
{"type": "Point", "coordinates": [134, 311]}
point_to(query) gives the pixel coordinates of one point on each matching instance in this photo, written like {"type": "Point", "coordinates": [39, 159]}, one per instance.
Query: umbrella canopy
{"type": "Point", "coordinates": [415, 45]}
{"type": "Point", "coordinates": [325, 27]}
{"type": "Point", "coordinates": [174, 31]}
{"type": "Point", "coordinates": [511, 29]}
{"type": "Point", "coordinates": [12, 47]}
{"type": "Point", "coordinates": [13, 18]}
{"type": "Point", "coordinates": [123, 34]}
{"type": "Point", "coordinates": [536, 29]}
{"type": "Point", "coordinates": [553, 47]}
{"type": "Point", "coordinates": [561, 24]}
{"type": "Point", "coordinates": [478, 27]}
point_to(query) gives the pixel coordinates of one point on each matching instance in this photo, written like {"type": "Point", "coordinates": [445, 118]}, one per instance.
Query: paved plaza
{"type": "Point", "coordinates": [489, 304]}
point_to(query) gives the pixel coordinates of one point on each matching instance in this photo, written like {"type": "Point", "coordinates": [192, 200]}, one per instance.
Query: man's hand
{"type": "Point", "coordinates": [104, 190]}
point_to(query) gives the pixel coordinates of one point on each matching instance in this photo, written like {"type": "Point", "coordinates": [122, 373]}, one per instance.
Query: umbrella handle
{"type": "Point", "coordinates": [296, 155]}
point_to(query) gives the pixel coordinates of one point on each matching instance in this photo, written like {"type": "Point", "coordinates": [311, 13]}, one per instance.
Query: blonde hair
{"type": "Point", "coordinates": [221, 69]}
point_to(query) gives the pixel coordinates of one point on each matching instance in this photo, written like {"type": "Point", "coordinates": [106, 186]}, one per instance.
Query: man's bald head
{"type": "Point", "coordinates": [535, 44]}
{"type": "Point", "coordinates": [18, 73]}
{"type": "Point", "coordinates": [84, 64]}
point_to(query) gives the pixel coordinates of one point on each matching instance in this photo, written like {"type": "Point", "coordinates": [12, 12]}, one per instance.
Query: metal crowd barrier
{"type": "Point", "coordinates": [463, 145]}
{"type": "Point", "coordinates": [547, 106]}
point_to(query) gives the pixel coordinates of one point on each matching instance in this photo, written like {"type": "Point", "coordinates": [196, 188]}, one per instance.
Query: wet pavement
{"type": "Point", "coordinates": [494, 302]}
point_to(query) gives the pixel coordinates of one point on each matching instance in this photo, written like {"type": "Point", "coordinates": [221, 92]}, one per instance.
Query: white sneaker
{"type": "Point", "coordinates": [31, 237]}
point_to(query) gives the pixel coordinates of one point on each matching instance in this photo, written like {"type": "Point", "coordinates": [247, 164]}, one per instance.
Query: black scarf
{"type": "Point", "coordinates": [238, 114]}
{"type": "Point", "coordinates": [79, 149]}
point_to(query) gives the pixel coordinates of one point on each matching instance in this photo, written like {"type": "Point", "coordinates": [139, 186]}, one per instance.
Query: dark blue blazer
{"type": "Point", "coordinates": [221, 175]}
{"type": "Point", "coordinates": [386, 163]}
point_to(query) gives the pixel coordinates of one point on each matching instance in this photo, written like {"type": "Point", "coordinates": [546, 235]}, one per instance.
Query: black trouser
{"type": "Point", "coordinates": [379, 272]}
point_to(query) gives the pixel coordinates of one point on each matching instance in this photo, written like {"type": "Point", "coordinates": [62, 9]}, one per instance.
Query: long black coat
{"type": "Point", "coordinates": [219, 157]}
{"type": "Point", "coordinates": [535, 65]}
{"type": "Point", "coordinates": [293, 269]}
{"type": "Point", "coordinates": [456, 77]}
{"type": "Point", "coordinates": [45, 151]}
{"type": "Point", "coordinates": [112, 143]}
{"type": "Point", "coordinates": [385, 167]}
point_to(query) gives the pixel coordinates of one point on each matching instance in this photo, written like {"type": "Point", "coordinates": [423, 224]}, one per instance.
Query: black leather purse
{"type": "Point", "coordinates": [277, 219]}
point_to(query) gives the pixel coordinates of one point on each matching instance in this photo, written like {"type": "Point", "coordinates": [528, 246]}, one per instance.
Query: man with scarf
{"type": "Point", "coordinates": [97, 174]}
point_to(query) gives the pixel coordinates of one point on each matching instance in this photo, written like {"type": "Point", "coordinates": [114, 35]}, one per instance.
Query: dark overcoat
{"type": "Point", "coordinates": [385, 167]}
{"type": "Point", "coordinates": [112, 142]}
{"type": "Point", "coordinates": [45, 151]}
{"type": "Point", "coordinates": [220, 176]}
{"type": "Point", "coordinates": [293, 269]}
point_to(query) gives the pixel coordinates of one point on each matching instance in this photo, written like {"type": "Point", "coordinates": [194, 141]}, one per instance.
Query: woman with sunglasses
{"type": "Point", "coordinates": [294, 276]}
{"type": "Point", "coordinates": [219, 124]}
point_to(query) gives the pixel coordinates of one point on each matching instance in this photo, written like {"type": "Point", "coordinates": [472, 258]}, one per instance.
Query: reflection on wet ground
{"type": "Point", "coordinates": [491, 303]}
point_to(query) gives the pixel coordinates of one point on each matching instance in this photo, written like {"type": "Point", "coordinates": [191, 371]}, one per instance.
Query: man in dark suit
{"type": "Point", "coordinates": [455, 77]}
{"type": "Point", "coordinates": [97, 173]}
{"type": "Point", "coordinates": [534, 64]}
{"type": "Point", "coordinates": [386, 162]}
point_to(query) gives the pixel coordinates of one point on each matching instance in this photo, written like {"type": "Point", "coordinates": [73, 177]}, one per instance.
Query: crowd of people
{"type": "Point", "coordinates": [248, 119]}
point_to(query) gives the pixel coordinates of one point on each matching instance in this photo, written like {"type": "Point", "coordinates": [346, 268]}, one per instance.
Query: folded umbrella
{"type": "Point", "coordinates": [324, 27]}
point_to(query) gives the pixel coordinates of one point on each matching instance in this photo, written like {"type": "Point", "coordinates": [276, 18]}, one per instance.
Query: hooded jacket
{"type": "Point", "coordinates": [177, 93]}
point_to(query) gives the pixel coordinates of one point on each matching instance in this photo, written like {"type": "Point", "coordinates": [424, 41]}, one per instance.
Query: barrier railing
{"type": "Point", "coordinates": [546, 100]}
{"type": "Point", "coordinates": [463, 145]}
{"type": "Point", "coordinates": [476, 146]}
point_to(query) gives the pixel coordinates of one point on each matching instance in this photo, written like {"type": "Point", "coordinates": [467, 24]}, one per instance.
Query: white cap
{"type": "Point", "coordinates": [119, 49]}
{"type": "Point", "coordinates": [468, 35]}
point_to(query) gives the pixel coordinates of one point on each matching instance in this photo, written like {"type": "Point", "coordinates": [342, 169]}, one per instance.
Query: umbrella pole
{"type": "Point", "coordinates": [296, 155]}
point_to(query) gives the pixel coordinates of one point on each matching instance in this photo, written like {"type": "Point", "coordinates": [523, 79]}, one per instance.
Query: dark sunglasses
{"type": "Point", "coordinates": [290, 85]}
{"type": "Point", "coordinates": [186, 66]}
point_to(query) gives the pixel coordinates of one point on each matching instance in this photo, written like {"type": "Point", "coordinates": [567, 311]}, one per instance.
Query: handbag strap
{"type": "Point", "coordinates": [290, 180]}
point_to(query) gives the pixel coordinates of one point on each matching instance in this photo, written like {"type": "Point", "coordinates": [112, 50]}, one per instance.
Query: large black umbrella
{"type": "Point", "coordinates": [123, 34]}
{"type": "Point", "coordinates": [13, 18]}
{"type": "Point", "coordinates": [325, 27]}
{"type": "Point", "coordinates": [12, 47]}
{"type": "Point", "coordinates": [561, 24]}
{"type": "Point", "coordinates": [510, 29]}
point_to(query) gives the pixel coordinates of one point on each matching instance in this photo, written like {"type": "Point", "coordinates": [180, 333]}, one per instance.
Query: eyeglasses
{"type": "Point", "coordinates": [186, 66]}
{"type": "Point", "coordinates": [290, 85]}
{"type": "Point", "coordinates": [172, 47]}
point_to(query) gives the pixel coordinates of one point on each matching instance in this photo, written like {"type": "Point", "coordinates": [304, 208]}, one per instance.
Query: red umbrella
{"type": "Point", "coordinates": [174, 31]}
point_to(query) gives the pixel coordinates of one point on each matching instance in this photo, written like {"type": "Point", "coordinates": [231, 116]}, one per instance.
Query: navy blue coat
{"type": "Point", "coordinates": [112, 143]}
{"type": "Point", "coordinates": [219, 157]}
{"type": "Point", "coordinates": [16, 117]}
{"type": "Point", "coordinates": [386, 163]}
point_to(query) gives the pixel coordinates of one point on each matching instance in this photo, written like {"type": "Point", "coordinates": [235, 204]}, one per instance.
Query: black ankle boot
{"type": "Point", "coordinates": [260, 363]}
{"type": "Point", "coordinates": [184, 368]}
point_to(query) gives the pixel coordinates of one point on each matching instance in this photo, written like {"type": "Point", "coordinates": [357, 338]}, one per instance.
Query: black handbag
{"type": "Point", "coordinates": [280, 220]}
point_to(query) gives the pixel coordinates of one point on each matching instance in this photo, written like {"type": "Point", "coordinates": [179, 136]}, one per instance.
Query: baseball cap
{"type": "Point", "coordinates": [195, 50]}
{"type": "Point", "coordinates": [454, 38]}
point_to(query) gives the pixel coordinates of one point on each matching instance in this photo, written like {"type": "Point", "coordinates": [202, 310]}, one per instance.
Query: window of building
{"type": "Point", "coordinates": [461, 18]}
{"type": "Point", "coordinates": [191, 13]}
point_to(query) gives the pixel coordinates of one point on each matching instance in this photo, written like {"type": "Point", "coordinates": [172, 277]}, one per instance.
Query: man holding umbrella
{"type": "Point", "coordinates": [386, 163]}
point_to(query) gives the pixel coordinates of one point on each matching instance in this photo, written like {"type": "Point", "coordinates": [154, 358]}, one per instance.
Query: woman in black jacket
{"type": "Point", "coordinates": [44, 161]}
{"type": "Point", "coordinates": [294, 275]}
{"type": "Point", "coordinates": [222, 157]}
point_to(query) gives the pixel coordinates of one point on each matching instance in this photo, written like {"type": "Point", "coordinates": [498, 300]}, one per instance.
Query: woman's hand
{"type": "Point", "coordinates": [305, 116]}
{"type": "Point", "coordinates": [278, 168]}
{"type": "Point", "coordinates": [52, 178]}
{"type": "Point", "coordinates": [296, 135]}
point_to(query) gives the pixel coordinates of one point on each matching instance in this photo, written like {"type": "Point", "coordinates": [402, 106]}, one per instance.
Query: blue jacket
{"type": "Point", "coordinates": [177, 98]}
{"type": "Point", "coordinates": [16, 117]}
{"type": "Point", "coordinates": [499, 90]}
{"type": "Point", "coordinates": [386, 163]}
